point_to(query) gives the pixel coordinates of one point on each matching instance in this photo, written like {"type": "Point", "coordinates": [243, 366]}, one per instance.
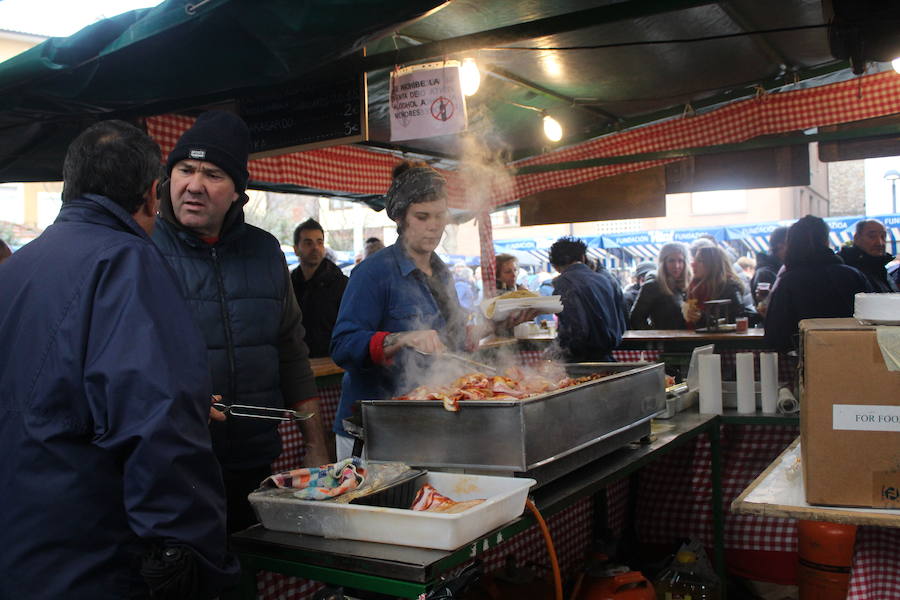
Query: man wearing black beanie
{"type": "Point", "coordinates": [236, 281]}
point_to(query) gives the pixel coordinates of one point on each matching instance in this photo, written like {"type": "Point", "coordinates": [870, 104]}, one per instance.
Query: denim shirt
{"type": "Point", "coordinates": [387, 292]}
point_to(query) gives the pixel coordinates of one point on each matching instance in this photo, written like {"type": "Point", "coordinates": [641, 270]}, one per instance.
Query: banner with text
{"type": "Point", "coordinates": [426, 101]}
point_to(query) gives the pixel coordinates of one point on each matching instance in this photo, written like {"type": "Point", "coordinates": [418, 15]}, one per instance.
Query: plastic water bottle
{"type": "Point", "coordinates": [684, 579]}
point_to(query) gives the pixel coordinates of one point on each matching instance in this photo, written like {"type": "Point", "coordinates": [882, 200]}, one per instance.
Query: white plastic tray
{"type": "Point", "coordinates": [505, 500]}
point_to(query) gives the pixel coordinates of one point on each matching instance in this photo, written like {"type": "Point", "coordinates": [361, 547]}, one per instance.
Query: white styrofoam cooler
{"type": "Point", "coordinates": [505, 500]}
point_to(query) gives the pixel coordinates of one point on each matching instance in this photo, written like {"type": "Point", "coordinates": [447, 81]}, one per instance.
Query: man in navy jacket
{"type": "Point", "coordinates": [592, 321]}
{"type": "Point", "coordinates": [110, 486]}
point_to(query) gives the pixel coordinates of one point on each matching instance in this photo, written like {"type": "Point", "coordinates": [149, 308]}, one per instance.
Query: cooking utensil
{"type": "Point", "coordinates": [462, 359]}
{"type": "Point", "coordinates": [263, 412]}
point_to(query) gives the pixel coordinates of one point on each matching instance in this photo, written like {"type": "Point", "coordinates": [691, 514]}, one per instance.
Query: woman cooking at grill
{"type": "Point", "coordinates": [398, 301]}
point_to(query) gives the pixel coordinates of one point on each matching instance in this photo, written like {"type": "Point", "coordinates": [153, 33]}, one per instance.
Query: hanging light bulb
{"type": "Point", "coordinates": [469, 76]}
{"type": "Point", "coordinates": [896, 64]}
{"type": "Point", "coordinates": [552, 129]}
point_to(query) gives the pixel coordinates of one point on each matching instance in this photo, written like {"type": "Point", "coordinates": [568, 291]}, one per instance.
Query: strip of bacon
{"type": "Point", "coordinates": [429, 499]}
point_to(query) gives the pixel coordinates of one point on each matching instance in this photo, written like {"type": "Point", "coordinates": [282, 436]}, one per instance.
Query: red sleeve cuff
{"type": "Point", "coordinates": [376, 348]}
{"type": "Point", "coordinates": [297, 405]}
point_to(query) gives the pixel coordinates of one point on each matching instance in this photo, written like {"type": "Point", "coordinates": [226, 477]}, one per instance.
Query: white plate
{"type": "Point", "coordinates": [505, 307]}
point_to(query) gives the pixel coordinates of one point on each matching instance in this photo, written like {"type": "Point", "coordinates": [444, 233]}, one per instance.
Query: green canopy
{"type": "Point", "coordinates": [166, 58]}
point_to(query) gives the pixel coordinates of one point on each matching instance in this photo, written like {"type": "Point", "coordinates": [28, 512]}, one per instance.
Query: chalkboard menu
{"type": "Point", "coordinates": [311, 114]}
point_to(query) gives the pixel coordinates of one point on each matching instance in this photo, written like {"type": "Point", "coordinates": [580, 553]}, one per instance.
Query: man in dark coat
{"type": "Point", "coordinates": [319, 286]}
{"type": "Point", "coordinates": [869, 254]}
{"type": "Point", "coordinates": [592, 321]}
{"type": "Point", "coordinates": [641, 272]}
{"type": "Point", "coordinates": [105, 454]}
{"type": "Point", "coordinates": [769, 263]}
{"type": "Point", "coordinates": [815, 283]}
{"type": "Point", "coordinates": [237, 284]}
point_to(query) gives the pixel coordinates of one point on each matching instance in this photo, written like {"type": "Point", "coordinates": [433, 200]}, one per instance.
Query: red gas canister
{"type": "Point", "coordinates": [825, 554]}
{"type": "Point", "coordinates": [631, 585]}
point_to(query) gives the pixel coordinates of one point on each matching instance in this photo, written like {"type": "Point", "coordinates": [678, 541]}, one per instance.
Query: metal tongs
{"type": "Point", "coordinates": [462, 359]}
{"type": "Point", "coordinates": [262, 412]}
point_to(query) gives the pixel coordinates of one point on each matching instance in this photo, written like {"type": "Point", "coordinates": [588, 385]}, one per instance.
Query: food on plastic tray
{"type": "Point", "coordinates": [430, 500]}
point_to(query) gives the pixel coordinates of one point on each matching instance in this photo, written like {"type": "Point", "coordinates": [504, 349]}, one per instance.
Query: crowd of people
{"type": "Point", "coordinates": [150, 302]}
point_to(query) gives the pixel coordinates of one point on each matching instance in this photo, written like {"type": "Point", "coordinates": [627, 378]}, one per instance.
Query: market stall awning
{"type": "Point", "coordinates": [764, 67]}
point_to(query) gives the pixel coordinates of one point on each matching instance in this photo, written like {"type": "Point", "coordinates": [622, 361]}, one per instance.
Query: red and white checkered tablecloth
{"type": "Point", "coordinates": [617, 497]}
{"type": "Point", "coordinates": [675, 492]}
{"type": "Point", "coordinates": [787, 365]}
{"type": "Point", "coordinates": [530, 357]}
{"type": "Point", "coordinates": [876, 565]}
{"type": "Point", "coordinates": [292, 449]}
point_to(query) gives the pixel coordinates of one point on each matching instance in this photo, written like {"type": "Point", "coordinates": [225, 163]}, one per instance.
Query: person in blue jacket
{"type": "Point", "coordinates": [400, 300]}
{"type": "Point", "coordinates": [592, 321]}
{"type": "Point", "coordinates": [110, 486]}
{"type": "Point", "coordinates": [814, 283]}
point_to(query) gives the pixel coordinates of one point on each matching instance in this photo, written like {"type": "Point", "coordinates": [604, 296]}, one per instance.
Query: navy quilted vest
{"type": "Point", "coordinates": [236, 290]}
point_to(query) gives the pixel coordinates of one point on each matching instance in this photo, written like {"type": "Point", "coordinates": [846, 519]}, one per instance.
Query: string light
{"type": "Point", "coordinates": [552, 128]}
{"type": "Point", "coordinates": [469, 77]}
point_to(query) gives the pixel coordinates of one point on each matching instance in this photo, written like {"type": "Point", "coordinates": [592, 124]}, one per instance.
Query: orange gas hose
{"type": "Point", "coordinates": [551, 550]}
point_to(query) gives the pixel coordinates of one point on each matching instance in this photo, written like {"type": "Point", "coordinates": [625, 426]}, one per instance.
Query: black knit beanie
{"type": "Point", "coordinates": [220, 138]}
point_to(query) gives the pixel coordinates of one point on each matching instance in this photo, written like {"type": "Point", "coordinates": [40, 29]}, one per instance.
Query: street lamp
{"type": "Point", "coordinates": [893, 176]}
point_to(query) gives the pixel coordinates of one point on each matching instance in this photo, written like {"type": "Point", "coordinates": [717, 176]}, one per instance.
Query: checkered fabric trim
{"type": "Point", "coordinates": [876, 565]}
{"type": "Point", "coordinates": [292, 448]}
{"type": "Point", "coordinates": [675, 492]}
{"type": "Point", "coordinates": [530, 357]}
{"type": "Point", "coordinates": [275, 586]}
{"type": "Point", "coordinates": [860, 98]}
{"type": "Point", "coordinates": [571, 530]}
{"type": "Point", "coordinates": [354, 169]}
{"type": "Point", "coordinates": [617, 495]}
{"type": "Point", "coordinates": [488, 257]}
{"type": "Point", "coordinates": [636, 355]}
{"type": "Point", "coordinates": [787, 366]}
{"type": "Point", "coordinates": [336, 168]}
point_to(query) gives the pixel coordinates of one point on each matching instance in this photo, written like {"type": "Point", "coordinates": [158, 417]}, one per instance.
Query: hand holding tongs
{"type": "Point", "coordinates": [262, 412]}
{"type": "Point", "coordinates": [461, 359]}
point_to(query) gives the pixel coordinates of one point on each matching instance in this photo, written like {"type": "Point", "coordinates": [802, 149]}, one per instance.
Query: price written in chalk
{"type": "Point", "coordinates": [314, 115]}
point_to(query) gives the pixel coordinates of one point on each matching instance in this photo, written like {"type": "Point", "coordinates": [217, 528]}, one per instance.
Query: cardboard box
{"type": "Point", "coordinates": [849, 416]}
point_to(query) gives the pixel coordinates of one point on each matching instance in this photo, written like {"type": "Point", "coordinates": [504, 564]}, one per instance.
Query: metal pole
{"type": "Point", "coordinates": [893, 196]}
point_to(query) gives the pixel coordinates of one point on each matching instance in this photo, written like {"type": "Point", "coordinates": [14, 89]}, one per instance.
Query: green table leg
{"type": "Point", "coordinates": [717, 510]}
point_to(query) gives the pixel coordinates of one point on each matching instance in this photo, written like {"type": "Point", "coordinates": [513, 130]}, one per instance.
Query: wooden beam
{"type": "Point", "coordinates": [854, 149]}
{"type": "Point", "coordinates": [625, 196]}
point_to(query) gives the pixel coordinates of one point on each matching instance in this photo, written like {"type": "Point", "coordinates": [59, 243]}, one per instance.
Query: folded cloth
{"type": "Point", "coordinates": [322, 483]}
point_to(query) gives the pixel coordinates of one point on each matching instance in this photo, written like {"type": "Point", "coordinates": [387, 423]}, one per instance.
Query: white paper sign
{"type": "Point", "coordinates": [426, 101]}
{"type": "Point", "coordinates": [865, 417]}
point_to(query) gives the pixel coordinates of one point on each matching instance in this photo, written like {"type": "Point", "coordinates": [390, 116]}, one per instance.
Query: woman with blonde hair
{"type": "Point", "coordinates": [658, 304]}
{"type": "Point", "coordinates": [714, 279]}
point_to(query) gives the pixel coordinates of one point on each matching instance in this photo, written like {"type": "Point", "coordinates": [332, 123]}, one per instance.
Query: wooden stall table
{"type": "Point", "coordinates": [674, 347]}
{"type": "Point", "coordinates": [778, 491]}
{"type": "Point", "coordinates": [671, 339]}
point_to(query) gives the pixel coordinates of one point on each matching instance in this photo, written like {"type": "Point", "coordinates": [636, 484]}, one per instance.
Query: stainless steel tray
{"type": "Point", "coordinates": [517, 436]}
